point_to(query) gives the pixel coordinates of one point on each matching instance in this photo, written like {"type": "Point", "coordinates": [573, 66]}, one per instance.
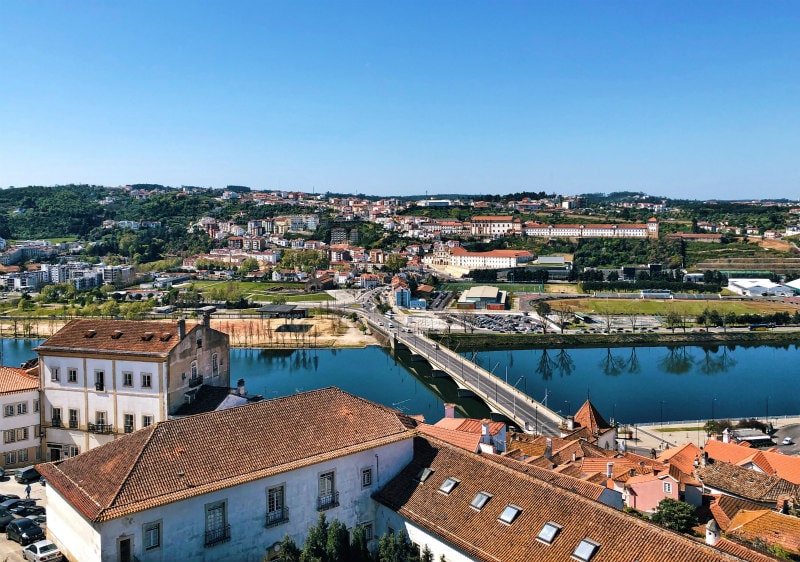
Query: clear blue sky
{"type": "Point", "coordinates": [684, 99]}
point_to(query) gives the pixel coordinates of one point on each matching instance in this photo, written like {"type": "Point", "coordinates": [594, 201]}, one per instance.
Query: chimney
{"type": "Point", "coordinates": [704, 460]}
{"type": "Point", "coordinates": [570, 423]}
{"type": "Point", "coordinates": [712, 532]}
{"type": "Point", "coordinates": [726, 436]}
{"type": "Point", "coordinates": [548, 448]}
{"type": "Point", "coordinates": [609, 469]}
{"type": "Point", "coordinates": [207, 319]}
{"type": "Point", "coordinates": [574, 457]}
{"type": "Point", "coordinates": [181, 329]}
{"type": "Point", "coordinates": [485, 428]}
{"type": "Point", "coordinates": [240, 389]}
{"type": "Point", "coordinates": [785, 508]}
{"type": "Point", "coordinates": [449, 410]}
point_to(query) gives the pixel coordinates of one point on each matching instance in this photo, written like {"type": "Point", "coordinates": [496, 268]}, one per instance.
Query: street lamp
{"type": "Point", "coordinates": [712, 408]}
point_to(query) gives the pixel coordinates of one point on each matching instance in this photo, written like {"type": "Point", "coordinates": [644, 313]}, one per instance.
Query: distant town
{"type": "Point", "coordinates": [143, 444]}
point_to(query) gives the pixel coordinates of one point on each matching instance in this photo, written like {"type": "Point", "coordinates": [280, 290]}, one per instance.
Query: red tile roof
{"type": "Point", "coordinates": [785, 466]}
{"type": "Point", "coordinates": [481, 536]}
{"type": "Point", "coordinates": [178, 459]}
{"type": "Point", "coordinates": [16, 380]}
{"type": "Point", "coordinates": [588, 416]}
{"type": "Point", "coordinates": [114, 336]}
{"type": "Point", "coordinates": [768, 526]}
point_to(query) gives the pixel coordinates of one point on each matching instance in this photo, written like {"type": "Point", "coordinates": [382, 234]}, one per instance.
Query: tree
{"type": "Point", "coordinates": [314, 548]}
{"type": "Point", "coordinates": [676, 515]}
{"type": "Point", "coordinates": [395, 262]}
{"type": "Point", "coordinates": [248, 265]}
{"type": "Point", "coordinates": [289, 551]}
{"type": "Point", "coordinates": [337, 547]}
{"type": "Point", "coordinates": [359, 552]}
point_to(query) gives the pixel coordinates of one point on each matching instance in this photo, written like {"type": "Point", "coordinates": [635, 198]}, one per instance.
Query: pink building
{"type": "Point", "coordinates": [644, 491]}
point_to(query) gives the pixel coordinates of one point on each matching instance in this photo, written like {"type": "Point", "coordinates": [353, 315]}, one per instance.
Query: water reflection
{"type": "Point", "coordinates": [677, 361]}
{"type": "Point", "coordinates": [611, 364]}
{"type": "Point", "coordinates": [715, 362]}
{"type": "Point", "coordinates": [565, 363]}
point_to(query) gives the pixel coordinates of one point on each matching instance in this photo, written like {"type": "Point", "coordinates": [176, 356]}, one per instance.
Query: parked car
{"type": "Point", "coordinates": [27, 474]}
{"type": "Point", "coordinates": [38, 519]}
{"type": "Point", "coordinates": [787, 441]}
{"type": "Point", "coordinates": [42, 551]}
{"type": "Point", "coordinates": [4, 497]}
{"type": "Point", "coordinates": [24, 531]}
{"type": "Point", "coordinates": [5, 518]}
{"type": "Point", "coordinates": [26, 510]}
{"type": "Point", "coordinates": [13, 503]}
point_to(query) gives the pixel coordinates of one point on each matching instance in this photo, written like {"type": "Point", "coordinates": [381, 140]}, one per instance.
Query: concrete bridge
{"type": "Point", "coordinates": [473, 380]}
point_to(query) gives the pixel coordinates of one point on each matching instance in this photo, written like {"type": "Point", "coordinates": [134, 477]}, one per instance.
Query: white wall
{"type": "Point", "coordinates": [28, 420]}
{"type": "Point", "coordinates": [75, 536]}
{"type": "Point", "coordinates": [418, 535]}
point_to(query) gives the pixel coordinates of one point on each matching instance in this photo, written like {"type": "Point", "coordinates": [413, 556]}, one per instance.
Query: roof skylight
{"type": "Point", "coordinates": [548, 533]}
{"type": "Point", "coordinates": [480, 500]}
{"type": "Point", "coordinates": [448, 485]}
{"type": "Point", "coordinates": [510, 513]}
{"type": "Point", "coordinates": [423, 474]}
{"type": "Point", "coordinates": [585, 550]}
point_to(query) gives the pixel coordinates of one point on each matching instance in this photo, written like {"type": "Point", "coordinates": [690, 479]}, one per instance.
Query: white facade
{"type": "Point", "coordinates": [20, 428]}
{"type": "Point", "coordinates": [178, 530]}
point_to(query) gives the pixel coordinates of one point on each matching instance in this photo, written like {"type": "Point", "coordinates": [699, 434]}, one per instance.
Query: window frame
{"type": "Point", "coordinates": [77, 418]}
{"type": "Point", "coordinates": [667, 487]}
{"type": "Point", "coordinates": [585, 544]}
{"type": "Point", "coordinates": [366, 477]}
{"type": "Point", "coordinates": [125, 425]}
{"type": "Point", "coordinates": [55, 375]}
{"type": "Point", "coordinates": [72, 375]}
{"type": "Point", "coordinates": [99, 380]}
{"type": "Point", "coordinates": [147, 380]}
{"type": "Point", "coordinates": [9, 411]}
{"type": "Point", "coordinates": [147, 535]}
{"type": "Point", "coordinates": [147, 420]}
{"type": "Point", "coordinates": [127, 379]}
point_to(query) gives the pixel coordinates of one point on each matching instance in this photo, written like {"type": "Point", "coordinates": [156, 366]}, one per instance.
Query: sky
{"type": "Point", "coordinates": [687, 99]}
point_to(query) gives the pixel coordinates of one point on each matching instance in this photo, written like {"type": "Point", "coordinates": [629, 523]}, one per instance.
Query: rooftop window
{"type": "Point", "coordinates": [448, 485]}
{"type": "Point", "coordinates": [480, 500]}
{"type": "Point", "coordinates": [585, 550]}
{"type": "Point", "coordinates": [510, 513]}
{"type": "Point", "coordinates": [424, 474]}
{"type": "Point", "coordinates": [548, 533]}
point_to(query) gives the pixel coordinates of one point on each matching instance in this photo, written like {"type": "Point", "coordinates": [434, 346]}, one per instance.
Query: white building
{"type": "Point", "coordinates": [227, 485]}
{"type": "Point", "coordinates": [19, 393]}
{"type": "Point", "coordinates": [494, 259]}
{"type": "Point", "coordinates": [592, 230]}
{"type": "Point", "coordinates": [104, 378]}
{"type": "Point", "coordinates": [759, 288]}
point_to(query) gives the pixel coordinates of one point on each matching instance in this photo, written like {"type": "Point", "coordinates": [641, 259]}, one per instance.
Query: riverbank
{"type": "Point", "coordinates": [477, 342]}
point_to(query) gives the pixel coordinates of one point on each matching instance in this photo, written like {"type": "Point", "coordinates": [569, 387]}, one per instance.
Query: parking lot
{"type": "Point", "coordinates": [11, 551]}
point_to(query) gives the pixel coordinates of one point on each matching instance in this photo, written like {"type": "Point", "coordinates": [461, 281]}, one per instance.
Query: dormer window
{"type": "Point", "coordinates": [585, 550]}
{"type": "Point", "coordinates": [480, 500]}
{"type": "Point", "coordinates": [424, 474]}
{"type": "Point", "coordinates": [89, 333]}
{"type": "Point", "coordinates": [510, 513]}
{"type": "Point", "coordinates": [548, 533]}
{"type": "Point", "coordinates": [116, 334]}
{"type": "Point", "coordinates": [448, 485]}
{"type": "Point", "coordinates": [147, 336]}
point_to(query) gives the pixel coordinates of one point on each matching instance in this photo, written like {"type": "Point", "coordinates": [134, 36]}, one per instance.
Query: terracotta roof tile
{"type": "Point", "coordinates": [742, 551]}
{"type": "Point", "coordinates": [768, 526]}
{"type": "Point", "coordinates": [724, 508]}
{"type": "Point", "coordinates": [467, 441]}
{"type": "Point", "coordinates": [745, 482]}
{"type": "Point", "coordinates": [17, 380]}
{"type": "Point", "coordinates": [481, 536]}
{"type": "Point", "coordinates": [121, 336]}
{"type": "Point", "coordinates": [588, 416]}
{"type": "Point", "coordinates": [178, 459]}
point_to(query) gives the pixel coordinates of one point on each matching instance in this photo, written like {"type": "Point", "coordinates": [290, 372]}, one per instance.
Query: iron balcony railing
{"type": "Point", "coordinates": [195, 381]}
{"type": "Point", "coordinates": [327, 501]}
{"type": "Point", "coordinates": [73, 424]}
{"type": "Point", "coordinates": [277, 517]}
{"type": "Point", "coordinates": [55, 422]}
{"type": "Point", "coordinates": [100, 428]}
{"type": "Point", "coordinates": [218, 535]}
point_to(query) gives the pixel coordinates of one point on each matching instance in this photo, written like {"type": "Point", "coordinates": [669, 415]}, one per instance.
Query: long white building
{"type": "Point", "coordinates": [19, 394]}
{"type": "Point", "coordinates": [590, 230]}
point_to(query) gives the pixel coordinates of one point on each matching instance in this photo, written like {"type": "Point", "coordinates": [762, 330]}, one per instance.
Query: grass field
{"type": "Point", "coordinates": [686, 308]}
{"type": "Point", "coordinates": [250, 286]}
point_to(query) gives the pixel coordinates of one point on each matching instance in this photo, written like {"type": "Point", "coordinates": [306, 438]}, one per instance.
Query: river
{"type": "Point", "coordinates": [632, 385]}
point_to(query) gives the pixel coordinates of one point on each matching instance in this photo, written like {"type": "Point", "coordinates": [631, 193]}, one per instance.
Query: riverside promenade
{"type": "Point", "coordinates": [656, 436]}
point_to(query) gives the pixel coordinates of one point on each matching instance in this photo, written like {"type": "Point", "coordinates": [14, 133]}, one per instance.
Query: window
{"type": "Point", "coordinates": [36, 405]}
{"type": "Point", "coordinates": [667, 487]}
{"type": "Point", "coordinates": [9, 436]}
{"type": "Point", "coordinates": [73, 451]}
{"type": "Point", "coordinates": [55, 417]}
{"type": "Point", "coordinates": [128, 422]}
{"type": "Point", "coordinates": [22, 433]}
{"type": "Point", "coordinates": [72, 375]}
{"type": "Point", "coordinates": [199, 340]}
{"type": "Point", "coordinates": [22, 408]}
{"type": "Point", "coordinates": [217, 528]}
{"type": "Point", "coordinates": [74, 419]}
{"type": "Point", "coordinates": [147, 380]}
{"type": "Point", "coordinates": [328, 496]}
{"type": "Point", "coordinates": [38, 453]}
{"type": "Point", "coordinates": [152, 535]}
{"type": "Point", "coordinates": [147, 421]}
{"type": "Point", "coordinates": [194, 369]}
{"type": "Point", "coordinates": [9, 410]}
{"type": "Point", "coordinates": [548, 532]}
{"type": "Point", "coordinates": [510, 513]}
{"type": "Point", "coordinates": [11, 457]}
{"type": "Point", "coordinates": [127, 378]}
{"type": "Point", "coordinates": [100, 418]}
{"type": "Point", "coordinates": [22, 455]}
{"type": "Point", "coordinates": [54, 374]}
{"type": "Point", "coordinates": [448, 485]}
{"type": "Point", "coordinates": [480, 500]}
{"type": "Point", "coordinates": [366, 477]}
{"type": "Point", "coordinates": [585, 550]}
{"type": "Point", "coordinates": [368, 531]}
{"type": "Point", "coordinates": [424, 474]}
{"type": "Point", "coordinates": [276, 511]}
{"type": "Point", "coordinates": [214, 365]}
{"type": "Point", "coordinates": [99, 383]}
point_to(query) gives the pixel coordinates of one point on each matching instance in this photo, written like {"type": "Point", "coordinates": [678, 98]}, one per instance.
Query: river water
{"type": "Point", "coordinates": [632, 385]}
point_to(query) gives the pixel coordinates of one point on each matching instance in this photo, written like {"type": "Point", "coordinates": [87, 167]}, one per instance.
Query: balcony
{"type": "Point", "coordinates": [73, 424]}
{"type": "Point", "coordinates": [218, 535]}
{"type": "Point", "coordinates": [195, 381]}
{"type": "Point", "coordinates": [327, 501]}
{"type": "Point", "coordinates": [99, 387]}
{"type": "Point", "coordinates": [99, 428]}
{"type": "Point", "coordinates": [128, 429]}
{"type": "Point", "coordinates": [277, 517]}
{"type": "Point", "coordinates": [55, 422]}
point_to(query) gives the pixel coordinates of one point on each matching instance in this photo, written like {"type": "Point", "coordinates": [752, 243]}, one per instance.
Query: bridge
{"type": "Point", "coordinates": [472, 379]}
